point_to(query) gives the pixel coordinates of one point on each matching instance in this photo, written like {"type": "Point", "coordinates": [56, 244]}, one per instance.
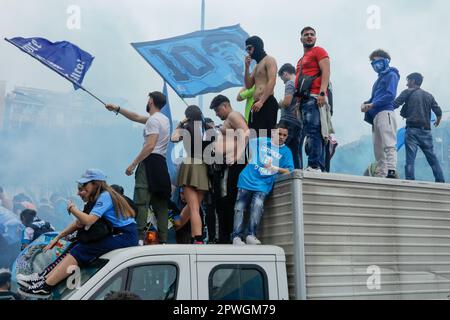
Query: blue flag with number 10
{"type": "Point", "coordinates": [199, 62]}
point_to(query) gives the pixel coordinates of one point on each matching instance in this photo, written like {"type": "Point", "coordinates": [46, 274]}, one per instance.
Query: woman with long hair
{"type": "Point", "coordinates": [193, 175]}
{"type": "Point", "coordinates": [108, 205]}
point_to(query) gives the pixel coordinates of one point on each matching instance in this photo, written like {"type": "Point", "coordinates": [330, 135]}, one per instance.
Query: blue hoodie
{"type": "Point", "coordinates": [384, 92]}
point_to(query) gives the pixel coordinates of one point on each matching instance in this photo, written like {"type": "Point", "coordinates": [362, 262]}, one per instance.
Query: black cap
{"type": "Point", "coordinates": [5, 276]}
{"type": "Point", "coordinates": [218, 100]}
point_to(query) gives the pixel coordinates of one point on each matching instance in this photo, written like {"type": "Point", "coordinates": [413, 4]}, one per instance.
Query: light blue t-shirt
{"type": "Point", "coordinates": [255, 177]}
{"type": "Point", "coordinates": [104, 207]}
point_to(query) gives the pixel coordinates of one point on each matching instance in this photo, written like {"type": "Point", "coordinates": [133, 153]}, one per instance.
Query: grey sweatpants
{"type": "Point", "coordinates": [384, 133]}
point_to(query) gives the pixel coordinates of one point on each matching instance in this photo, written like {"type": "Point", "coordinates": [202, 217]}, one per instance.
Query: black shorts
{"type": "Point", "coordinates": [265, 118]}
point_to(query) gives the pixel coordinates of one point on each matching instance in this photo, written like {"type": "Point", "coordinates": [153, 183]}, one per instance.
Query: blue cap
{"type": "Point", "coordinates": [92, 174]}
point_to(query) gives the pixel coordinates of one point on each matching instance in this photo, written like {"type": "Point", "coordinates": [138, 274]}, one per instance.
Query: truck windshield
{"type": "Point", "coordinates": [34, 259]}
{"type": "Point", "coordinates": [69, 286]}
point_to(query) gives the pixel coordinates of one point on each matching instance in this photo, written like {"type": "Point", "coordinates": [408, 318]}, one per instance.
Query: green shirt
{"type": "Point", "coordinates": [248, 95]}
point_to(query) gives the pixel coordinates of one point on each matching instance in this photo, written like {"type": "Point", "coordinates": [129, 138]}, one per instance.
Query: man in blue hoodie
{"type": "Point", "coordinates": [379, 112]}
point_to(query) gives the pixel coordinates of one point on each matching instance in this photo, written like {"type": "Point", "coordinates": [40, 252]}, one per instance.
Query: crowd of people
{"type": "Point", "coordinates": [230, 169]}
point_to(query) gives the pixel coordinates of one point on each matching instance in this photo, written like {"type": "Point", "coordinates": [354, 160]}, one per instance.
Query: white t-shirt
{"type": "Point", "coordinates": [158, 124]}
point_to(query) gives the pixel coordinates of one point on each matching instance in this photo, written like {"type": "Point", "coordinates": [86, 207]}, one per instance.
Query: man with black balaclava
{"type": "Point", "coordinates": [263, 114]}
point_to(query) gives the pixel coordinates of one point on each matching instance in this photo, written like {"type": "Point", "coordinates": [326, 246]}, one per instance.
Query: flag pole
{"type": "Point", "coordinates": [202, 28]}
{"type": "Point", "coordinates": [57, 71]}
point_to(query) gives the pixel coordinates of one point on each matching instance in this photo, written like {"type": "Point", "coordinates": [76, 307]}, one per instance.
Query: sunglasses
{"type": "Point", "coordinates": [247, 48]}
{"type": "Point", "coordinates": [82, 185]}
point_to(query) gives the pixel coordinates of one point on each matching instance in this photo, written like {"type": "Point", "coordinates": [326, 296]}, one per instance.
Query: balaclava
{"type": "Point", "coordinates": [258, 45]}
{"type": "Point", "coordinates": [380, 65]}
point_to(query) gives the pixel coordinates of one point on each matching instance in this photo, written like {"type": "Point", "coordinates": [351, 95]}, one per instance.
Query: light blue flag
{"type": "Point", "coordinates": [199, 62]}
{"type": "Point", "coordinates": [170, 157]}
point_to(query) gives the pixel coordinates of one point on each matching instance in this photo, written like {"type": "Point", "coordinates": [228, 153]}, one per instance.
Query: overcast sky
{"type": "Point", "coordinates": [415, 33]}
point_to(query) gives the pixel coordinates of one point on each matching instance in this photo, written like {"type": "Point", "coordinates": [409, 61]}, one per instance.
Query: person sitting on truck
{"type": "Point", "coordinates": [110, 206]}
{"type": "Point", "coordinates": [269, 157]}
{"type": "Point", "coordinates": [27, 280]}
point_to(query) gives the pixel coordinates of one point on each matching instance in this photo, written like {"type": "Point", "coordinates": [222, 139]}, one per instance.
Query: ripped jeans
{"type": "Point", "coordinates": [256, 201]}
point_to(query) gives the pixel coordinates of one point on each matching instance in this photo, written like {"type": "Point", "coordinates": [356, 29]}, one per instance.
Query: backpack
{"type": "Point", "coordinates": [41, 228]}
{"type": "Point", "coordinates": [98, 230]}
{"type": "Point", "coordinates": [304, 87]}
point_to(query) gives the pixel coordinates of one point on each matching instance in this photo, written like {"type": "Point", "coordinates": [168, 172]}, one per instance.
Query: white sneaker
{"type": "Point", "coordinates": [252, 240]}
{"type": "Point", "coordinates": [310, 169]}
{"type": "Point", "coordinates": [237, 241]}
{"type": "Point", "coordinates": [27, 280]}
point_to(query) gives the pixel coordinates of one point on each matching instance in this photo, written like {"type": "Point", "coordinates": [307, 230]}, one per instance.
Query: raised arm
{"type": "Point", "coordinates": [127, 113]}
{"type": "Point", "coordinates": [249, 78]}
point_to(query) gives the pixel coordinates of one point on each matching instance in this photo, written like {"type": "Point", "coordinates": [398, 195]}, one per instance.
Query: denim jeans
{"type": "Point", "coordinates": [314, 144]}
{"type": "Point", "coordinates": [256, 201]}
{"type": "Point", "coordinates": [421, 138]}
{"type": "Point", "coordinates": [294, 142]}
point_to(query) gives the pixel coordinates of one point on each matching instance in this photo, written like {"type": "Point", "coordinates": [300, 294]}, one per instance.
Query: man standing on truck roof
{"type": "Point", "coordinates": [264, 112]}
{"type": "Point", "coordinates": [152, 180]}
{"type": "Point", "coordinates": [417, 110]}
{"type": "Point", "coordinates": [269, 157]}
{"type": "Point", "coordinates": [232, 146]}
{"type": "Point", "coordinates": [312, 84]}
{"type": "Point", "coordinates": [379, 112]}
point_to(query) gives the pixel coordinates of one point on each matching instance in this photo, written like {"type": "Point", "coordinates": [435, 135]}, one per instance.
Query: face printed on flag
{"type": "Point", "coordinates": [199, 62]}
{"type": "Point", "coordinates": [62, 57]}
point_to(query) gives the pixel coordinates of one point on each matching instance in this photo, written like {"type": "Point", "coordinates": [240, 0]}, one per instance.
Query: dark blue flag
{"type": "Point", "coordinates": [62, 57]}
{"type": "Point", "coordinates": [199, 62]}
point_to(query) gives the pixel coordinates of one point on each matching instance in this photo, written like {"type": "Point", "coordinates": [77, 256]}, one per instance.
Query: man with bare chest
{"type": "Point", "coordinates": [263, 115]}
{"type": "Point", "coordinates": [231, 143]}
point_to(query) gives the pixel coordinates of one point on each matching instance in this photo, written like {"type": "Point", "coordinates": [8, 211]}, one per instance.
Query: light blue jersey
{"type": "Point", "coordinates": [104, 208]}
{"type": "Point", "coordinates": [255, 176]}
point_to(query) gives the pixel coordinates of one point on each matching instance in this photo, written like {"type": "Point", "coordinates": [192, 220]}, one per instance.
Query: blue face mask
{"type": "Point", "coordinates": [380, 65]}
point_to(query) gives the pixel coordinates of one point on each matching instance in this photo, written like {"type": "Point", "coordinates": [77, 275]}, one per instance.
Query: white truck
{"type": "Point", "coordinates": [352, 237]}
{"type": "Point", "coordinates": [325, 236]}
{"type": "Point", "coordinates": [183, 272]}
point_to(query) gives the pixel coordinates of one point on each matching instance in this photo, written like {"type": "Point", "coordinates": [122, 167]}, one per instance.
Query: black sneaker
{"type": "Point", "coordinates": [39, 290]}
{"type": "Point", "coordinates": [391, 174]}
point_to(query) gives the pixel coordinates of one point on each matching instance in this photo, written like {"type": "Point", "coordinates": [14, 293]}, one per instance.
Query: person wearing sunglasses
{"type": "Point", "coordinates": [264, 112]}
{"type": "Point", "coordinates": [108, 205]}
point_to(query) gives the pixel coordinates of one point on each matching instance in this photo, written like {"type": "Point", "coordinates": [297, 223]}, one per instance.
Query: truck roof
{"type": "Point", "coordinates": [177, 249]}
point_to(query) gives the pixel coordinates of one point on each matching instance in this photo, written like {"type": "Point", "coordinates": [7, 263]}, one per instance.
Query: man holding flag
{"type": "Point", "coordinates": [152, 181]}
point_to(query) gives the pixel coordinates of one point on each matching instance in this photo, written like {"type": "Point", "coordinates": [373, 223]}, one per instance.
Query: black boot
{"type": "Point", "coordinates": [391, 174]}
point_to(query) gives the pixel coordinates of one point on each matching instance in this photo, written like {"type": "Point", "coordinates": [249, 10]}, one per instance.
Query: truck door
{"type": "Point", "coordinates": [228, 277]}
{"type": "Point", "coordinates": [150, 277]}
